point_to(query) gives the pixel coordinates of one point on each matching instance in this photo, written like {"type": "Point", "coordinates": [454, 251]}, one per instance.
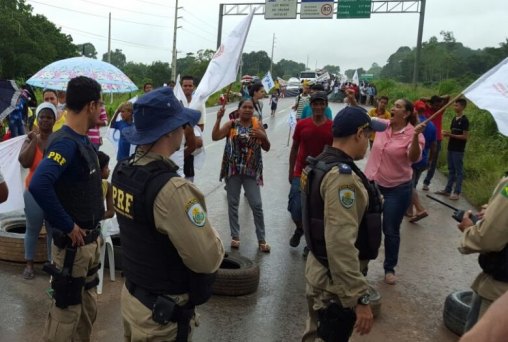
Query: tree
{"type": "Point", "coordinates": [118, 59]}
{"type": "Point", "coordinates": [332, 69]}
{"type": "Point", "coordinates": [255, 63]}
{"type": "Point", "coordinates": [287, 69]}
{"type": "Point", "coordinates": [87, 50]}
{"type": "Point", "coordinates": [375, 69]}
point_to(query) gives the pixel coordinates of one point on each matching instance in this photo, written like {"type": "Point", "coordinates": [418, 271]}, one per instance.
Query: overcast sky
{"type": "Point", "coordinates": [143, 29]}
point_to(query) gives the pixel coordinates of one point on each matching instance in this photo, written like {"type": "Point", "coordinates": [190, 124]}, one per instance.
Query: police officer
{"type": "Point", "coordinates": [170, 250]}
{"type": "Point", "coordinates": [337, 201]}
{"type": "Point", "coordinates": [67, 186]}
{"type": "Point", "coordinates": [489, 237]}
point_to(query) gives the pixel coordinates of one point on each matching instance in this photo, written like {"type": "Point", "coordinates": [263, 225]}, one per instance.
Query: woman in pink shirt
{"type": "Point", "coordinates": [389, 165]}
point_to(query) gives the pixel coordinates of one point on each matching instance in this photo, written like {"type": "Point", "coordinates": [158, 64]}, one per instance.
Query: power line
{"type": "Point", "coordinates": [199, 19]}
{"type": "Point", "coordinates": [125, 10]}
{"type": "Point", "coordinates": [198, 35]}
{"type": "Point", "coordinates": [97, 15]}
{"type": "Point", "coordinates": [199, 28]}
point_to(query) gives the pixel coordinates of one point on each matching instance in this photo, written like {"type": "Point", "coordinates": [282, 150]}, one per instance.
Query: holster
{"type": "Point", "coordinates": [62, 240]}
{"type": "Point", "coordinates": [335, 323]}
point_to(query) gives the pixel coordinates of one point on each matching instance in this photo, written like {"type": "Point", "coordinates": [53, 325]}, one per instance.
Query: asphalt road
{"type": "Point", "coordinates": [430, 267]}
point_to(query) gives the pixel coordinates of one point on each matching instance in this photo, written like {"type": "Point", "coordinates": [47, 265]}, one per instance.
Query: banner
{"type": "Point", "coordinates": [268, 82]}
{"type": "Point", "coordinates": [356, 79]}
{"type": "Point", "coordinates": [223, 68]}
{"type": "Point", "coordinates": [11, 170]}
{"type": "Point", "coordinates": [490, 92]}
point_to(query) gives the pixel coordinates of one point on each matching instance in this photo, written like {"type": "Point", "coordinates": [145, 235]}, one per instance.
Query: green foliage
{"type": "Point", "coordinates": [286, 69]}
{"type": "Point", "coordinates": [118, 58]}
{"type": "Point", "coordinates": [87, 50]}
{"type": "Point", "coordinates": [332, 69]}
{"type": "Point", "coordinates": [256, 63]}
{"type": "Point", "coordinates": [29, 42]}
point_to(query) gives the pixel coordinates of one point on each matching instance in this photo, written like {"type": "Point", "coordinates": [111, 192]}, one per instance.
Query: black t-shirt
{"type": "Point", "coordinates": [458, 126]}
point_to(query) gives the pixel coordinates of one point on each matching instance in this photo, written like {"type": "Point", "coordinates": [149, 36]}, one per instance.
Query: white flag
{"type": "Point", "coordinates": [490, 92]}
{"type": "Point", "coordinates": [292, 119]}
{"type": "Point", "coordinates": [179, 94]}
{"type": "Point", "coordinates": [11, 170]}
{"type": "Point", "coordinates": [268, 82]}
{"type": "Point", "coordinates": [223, 68]}
{"type": "Point", "coordinates": [356, 80]}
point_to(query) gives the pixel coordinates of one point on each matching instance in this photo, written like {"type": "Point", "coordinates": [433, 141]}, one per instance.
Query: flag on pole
{"type": "Point", "coordinates": [179, 94]}
{"type": "Point", "coordinates": [490, 92]}
{"type": "Point", "coordinates": [223, 68]}
{"type": "Point", "coordinates": [11, 170]}
{"type": "Point", "coordinates": [356, 79]}
{"type": "Point", "coordinates": [268, 82]}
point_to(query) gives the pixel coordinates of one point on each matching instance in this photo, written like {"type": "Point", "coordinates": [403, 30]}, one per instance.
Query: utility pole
{"type": "Point", "coordinates": [175, 28]}
{"type": "Point", "coordinates": [109, 39]}
{"type": "Point", "coordinates": [271, 59]}
{"type": "Point", "coordinates": [419, 44]}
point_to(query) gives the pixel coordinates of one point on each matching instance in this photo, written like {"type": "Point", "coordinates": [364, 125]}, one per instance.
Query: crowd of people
{"type": "Point", "coordinates": [340, 210]}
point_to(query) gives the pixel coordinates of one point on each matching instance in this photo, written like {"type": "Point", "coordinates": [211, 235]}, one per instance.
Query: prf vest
{"type": "Point", "coordinates": [149, 259]}
{"type": "Point", "coordinates": [82, 200]}
{"type": "Point", "coordinates": [369, 232]}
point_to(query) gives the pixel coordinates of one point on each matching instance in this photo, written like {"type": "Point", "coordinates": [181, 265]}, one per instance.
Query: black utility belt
{"type": "Point", "coordinates": [164, 309]}
{"type": "Point", "coordinates": [62, 240]}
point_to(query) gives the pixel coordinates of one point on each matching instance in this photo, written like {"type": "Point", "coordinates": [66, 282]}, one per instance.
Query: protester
{"type": "Point", "coordinates": [379, 112]}
{"type": "Point", "coordinates": [307, 110]}
{"type": "Point", "coordinates": [4, 191]}
{"type": "Point", "coordinates": [67, 186]}
{"type": "Point", "coordinates": [457, 138]}
{"type": "Point", "coordinates": [147, 87]}
{"type": "Point", "coordinates": [16, 126]}
{"type": "Point", "coordinates": [257, 93]}
{"type": "Point", "coordinates": [242, 164]}
{"type": "Point", "coordinates": [309, 139]}
{"type": "Point", "coordinates": [49, 95]}
{"type": "Point", "coordinates": [94, 134]}
{"type": "Point", "coordinates": [429, 149]}
{"type": "Point", "coordinates": [435, 103]}
{"type": "Point", "coordinates": [125, 111]}
{"type": "Point", "coordinates": [389, 165]}
{"type": "Point", "coordinates": [274, 98]}
{"type": "Point", "coordinates": [30, 156]}
{"type": "Point", "coordinates": [170, 250]}
{"type": "Point", "coordinates": [301, 100]}
{"type": "Point", "coordinates": [335, 201]}
{"type": "Point", "coordinates": [489, 237]}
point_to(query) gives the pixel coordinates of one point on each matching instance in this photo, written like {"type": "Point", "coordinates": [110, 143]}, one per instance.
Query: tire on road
{"type": "Point", "coordinates": [456, 308]}
{"type": "Point", "coordinates": [12, 241]}
{"type": "Point", "coordinates": [237, 276]}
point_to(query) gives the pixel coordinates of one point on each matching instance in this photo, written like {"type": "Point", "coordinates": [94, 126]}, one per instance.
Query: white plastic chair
{"type": "Point", "coordinates": [108, 244]}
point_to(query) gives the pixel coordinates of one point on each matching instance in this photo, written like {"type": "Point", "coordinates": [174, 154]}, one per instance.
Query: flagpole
{"type": "Point", "coordinates": [441, 110]}
{"type": "Point", "coordinates": [227, 96]}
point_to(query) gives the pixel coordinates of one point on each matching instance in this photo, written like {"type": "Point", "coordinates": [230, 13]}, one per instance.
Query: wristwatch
{"type": "Point", "coordinates": [364, 300]}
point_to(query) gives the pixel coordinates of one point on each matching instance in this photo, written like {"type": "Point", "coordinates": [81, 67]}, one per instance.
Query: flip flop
{"type": "Point", "coordinates": [418, 217]}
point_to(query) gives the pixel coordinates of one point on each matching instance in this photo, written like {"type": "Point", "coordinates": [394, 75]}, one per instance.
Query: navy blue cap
{"type": "Point", "coordinates": [157, 113]}
{"type": "Point", "coordinates": [349, 119]}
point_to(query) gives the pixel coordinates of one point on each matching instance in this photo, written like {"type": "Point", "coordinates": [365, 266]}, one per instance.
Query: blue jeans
{"type": "Point", "coordinates": [295, 200]}
{"type": "Point", "coordinates": [253, 193]}
{"type": "Point", "coordinates": [455, 171]}
{"type": "Point", "coordinates": [396, 202]}
{"type": "Point", "coordinates": [433, 165]}
{"type": "Point", "coordinates": [16, 127]}
{"type": "Point", "coordinates": [34, 219]}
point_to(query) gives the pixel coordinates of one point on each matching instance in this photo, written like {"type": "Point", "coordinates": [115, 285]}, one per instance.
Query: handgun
{"type": "Point", "coordinates": [458, 214]}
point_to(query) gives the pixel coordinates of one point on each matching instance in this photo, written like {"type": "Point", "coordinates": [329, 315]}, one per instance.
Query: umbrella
{"type": "Point", "coordinates": [9, 95]}
{"type": "Point", "coordinates": [57, 74]}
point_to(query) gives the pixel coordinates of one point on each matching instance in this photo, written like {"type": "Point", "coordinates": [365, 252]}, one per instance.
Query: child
{"type": "Point", "coordinates": [458, 135]}
{"type": "Point", "coordinates": [273, 101]}
{"type": "Point", "coordinates": [107, 191]}
{"type": "Point", "coordinates": [125, 110]}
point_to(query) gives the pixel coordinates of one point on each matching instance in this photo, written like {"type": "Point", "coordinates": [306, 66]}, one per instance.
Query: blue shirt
{"type": "Point", "coordinates": [17, 114]}
{"type": "Point", "coordinates": [430, 135]}
{"type": "Point", "coordinates": [60, 161]}
{"type": "Point", "coordinates": [307, 112]}
{"type": "Point", "coordinates": [124, 147]}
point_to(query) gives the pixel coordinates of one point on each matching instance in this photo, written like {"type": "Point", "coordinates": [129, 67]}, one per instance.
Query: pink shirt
{"type": "Point", "coordinates": [94, 134]}
{"type": "Point", "coordinates": [389, 163]}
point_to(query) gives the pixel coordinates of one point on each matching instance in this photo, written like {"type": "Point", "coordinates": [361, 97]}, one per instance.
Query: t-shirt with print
{"type": "Point", "coordinates": [458, 126]}
{"type": "Point", "coordinates": [301, 101]}
{"type": "Point", "coordinates": [311, 141]}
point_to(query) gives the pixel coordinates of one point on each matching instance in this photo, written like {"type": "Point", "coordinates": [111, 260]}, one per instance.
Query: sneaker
{"type": "Point", "coordinates": [443, 193]}
{"type": "Point", "coordinates": [390, 278]}
{"type": "Point", "coordinates": [235, 244]}
{"type": "Point", "coordinates": [28, 273]}
{"type": "Point", "coordinates": [295, 239]}
{"type": "Point", "coordinates": [306, 251]}
{"type": "Point", "coordinates": [425, 187]}
{"type": "Point", "coordinates": [454, 196]}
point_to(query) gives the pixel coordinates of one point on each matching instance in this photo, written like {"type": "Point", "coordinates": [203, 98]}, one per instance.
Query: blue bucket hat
{"type": "Point", "coordinates": [349, 119]}
{"type": "Point", "coordinates": [157, 113]}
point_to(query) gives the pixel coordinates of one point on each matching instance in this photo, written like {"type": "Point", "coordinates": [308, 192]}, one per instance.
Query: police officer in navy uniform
{"type": "Point", "coordinates": [67, 186]}
{"type": "Point", "coordinates": [342, 225]}
{"type": "Point", "coordinates": [170, 250]}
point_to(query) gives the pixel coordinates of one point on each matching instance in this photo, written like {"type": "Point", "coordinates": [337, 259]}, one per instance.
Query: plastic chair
{"type": "Point", "coordinates": [108, 244]}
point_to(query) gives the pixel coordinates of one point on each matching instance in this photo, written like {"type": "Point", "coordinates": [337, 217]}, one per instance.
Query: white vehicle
{"type": "Point", "coordinates": [293, 87]}
{"type": "Point", "coordinates": [309, 76]}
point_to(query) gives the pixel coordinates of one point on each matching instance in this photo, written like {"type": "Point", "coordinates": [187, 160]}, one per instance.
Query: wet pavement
{"type": "Point", "coordinates": [430, 267]}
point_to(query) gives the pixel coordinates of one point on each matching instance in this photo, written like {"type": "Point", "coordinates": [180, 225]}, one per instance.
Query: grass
{"type": "Point", "coordinates": [486, 155]}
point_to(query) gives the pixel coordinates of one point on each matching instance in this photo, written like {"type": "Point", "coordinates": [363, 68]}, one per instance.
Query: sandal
{"type": "Point", "coordinates": [264, 247]}
{"type": "Point", "coordinates": [418, 217]}
{"type": "Point", "coordinates": [235, 243]}
{"type": "Point", "coordinates": [28, 273]}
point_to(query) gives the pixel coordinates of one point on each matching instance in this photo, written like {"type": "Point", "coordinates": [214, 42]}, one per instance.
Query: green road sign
{"type": "Point", "coordinates": [351, 9]}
